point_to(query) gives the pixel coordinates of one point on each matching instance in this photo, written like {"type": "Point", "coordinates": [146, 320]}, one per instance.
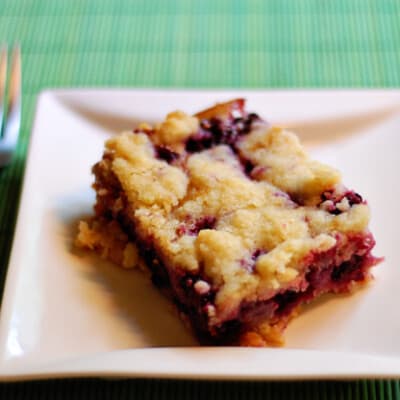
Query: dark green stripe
{"type": "Point", "coordinates": [195, 390]}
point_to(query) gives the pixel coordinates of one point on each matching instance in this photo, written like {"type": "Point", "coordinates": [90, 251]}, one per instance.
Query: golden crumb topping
{"type": "Point", "coordinates": [177, 127]}
{"type": "Point", "coordinates": [146, 181]}
{"type": "Point", "coordinates": [281, 160]}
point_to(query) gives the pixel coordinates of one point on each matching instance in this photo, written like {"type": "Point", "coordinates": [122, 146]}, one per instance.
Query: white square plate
{"type": "Point", "coordinates": [67, 313]}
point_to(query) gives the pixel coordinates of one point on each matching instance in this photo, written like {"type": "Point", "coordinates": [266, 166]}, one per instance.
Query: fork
{"type": "Point", "coordinates": [10, 104]}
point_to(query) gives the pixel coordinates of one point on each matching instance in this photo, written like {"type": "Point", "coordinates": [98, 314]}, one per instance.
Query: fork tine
{"type": "Point", "coordinates": [3, 76]}
{"type": "Point", "coordinates": [12, 121]}
{"type": "Point", "coordinates": [15, 82]}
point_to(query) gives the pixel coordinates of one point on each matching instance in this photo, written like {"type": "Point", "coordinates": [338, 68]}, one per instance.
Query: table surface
{"type": "Point", "coordinates": [192, 43]}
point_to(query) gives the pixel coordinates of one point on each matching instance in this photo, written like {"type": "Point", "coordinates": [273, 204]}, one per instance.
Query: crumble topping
{"type": "Point", "coordinates": [176, 128]}
{"type": "Point", "coordinates": [281, 160]}
{"type": "Point", "coordinates": [146, 181]}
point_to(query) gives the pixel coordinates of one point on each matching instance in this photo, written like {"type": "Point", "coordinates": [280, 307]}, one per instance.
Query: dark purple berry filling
{"type": "Point", "coordinates": [191, 227]}
{"type": "Point", "coordinates": [353, 198]}
{"type": "Point", "coordinates": [250, 263]}
{"type": "Point", "coordinates": [248, 166]}
{"type": "Point", "coordinates": [166, 154]}
{"type": "Point", "coordinates": [216, 131]}
{"type": "Point", "coordinates": [331, 199]}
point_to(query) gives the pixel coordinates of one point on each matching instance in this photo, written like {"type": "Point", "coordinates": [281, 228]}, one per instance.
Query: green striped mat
{"type": "Point", "coordinates": [152, 389]}
{"type": "Point", "coordinates": [193, 43]}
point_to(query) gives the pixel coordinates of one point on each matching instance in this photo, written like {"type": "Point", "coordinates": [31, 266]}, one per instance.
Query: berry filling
{"type": "Point", "coordinates": [215, 131]}
{"type": "Point", "coordinates": [191, 227]}
{"type": "Point", "coordinates": [166, 154]}
{"type": "Point", "coordinates": [336, 203]}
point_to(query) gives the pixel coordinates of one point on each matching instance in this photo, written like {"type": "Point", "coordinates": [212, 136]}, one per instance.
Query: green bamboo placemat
{"type": "Point", "coordinates": [193, 43]}
{"type": "Point", "coordinates": [152, 389]}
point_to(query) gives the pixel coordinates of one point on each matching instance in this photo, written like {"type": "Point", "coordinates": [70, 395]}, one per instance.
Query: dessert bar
{"type": "Point", "coordinates": [237, 224]}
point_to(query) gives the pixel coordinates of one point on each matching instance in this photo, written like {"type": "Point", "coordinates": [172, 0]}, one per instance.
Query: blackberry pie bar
{"type": "Point", "coordinates": [234, 220]}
